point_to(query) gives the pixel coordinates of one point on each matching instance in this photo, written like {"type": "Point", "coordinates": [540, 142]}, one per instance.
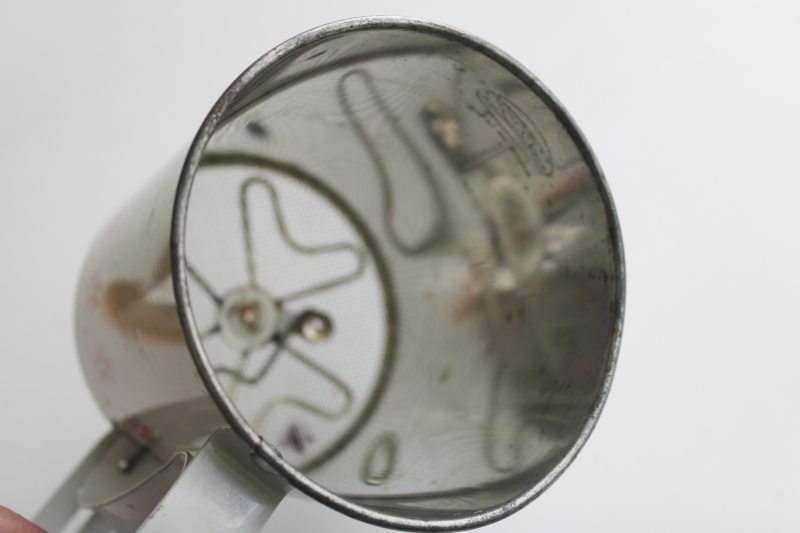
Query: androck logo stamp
{"type": "Point", "coordinates": [519, 130]}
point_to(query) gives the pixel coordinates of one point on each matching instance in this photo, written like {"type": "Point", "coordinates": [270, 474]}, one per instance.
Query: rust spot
{"type": "Point", "coordinates": [469, 302]}
{"type": "Point", "coordinates": [104, 365]}
{"type": "Point", "coordinates": [297, 438]}
{"type": "Point", "coordinates": [141, 430]}
{"type": "Point", "coordinates": [126, 305]}
{"type": "Point", "coordinates": [96, 291]}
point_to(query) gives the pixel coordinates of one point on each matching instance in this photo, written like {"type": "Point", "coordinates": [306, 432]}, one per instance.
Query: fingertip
{"type": "Point", "coordinates": [11, 522]}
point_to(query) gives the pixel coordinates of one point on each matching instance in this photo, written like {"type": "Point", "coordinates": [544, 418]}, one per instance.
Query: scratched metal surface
{"type": "Point", "coordinates": [695, 432]}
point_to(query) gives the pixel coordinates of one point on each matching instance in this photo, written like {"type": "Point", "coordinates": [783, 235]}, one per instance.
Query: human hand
{"type": "Point", "coordinates": [11, 522]}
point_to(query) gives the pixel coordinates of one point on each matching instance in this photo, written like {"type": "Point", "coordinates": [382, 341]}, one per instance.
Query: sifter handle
{"type": "Point", "coordinates": [221, 490]}
{"type": "Point", "coordinates": [63, 505]}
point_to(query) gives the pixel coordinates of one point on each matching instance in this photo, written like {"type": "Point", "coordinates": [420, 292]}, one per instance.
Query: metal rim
{"type": "Point", "coordinates": [180, 277]}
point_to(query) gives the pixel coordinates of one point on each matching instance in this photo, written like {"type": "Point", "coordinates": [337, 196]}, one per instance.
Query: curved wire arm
{"type": "Point", "coordinates": [237, 373]}
{"type": "Point", "coordinates": [360, 254]}
{"type": "Point", "coordinates": [203, 283]}
{"type": "Point", "coordinates": [437, 228]}
{"type": "Point", "coordinates": [239, 376]}
{"type": "Point", "coordinates": [262, 414]}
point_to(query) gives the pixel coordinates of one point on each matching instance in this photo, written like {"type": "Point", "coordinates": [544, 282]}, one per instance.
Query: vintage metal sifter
{"type": "Point", "coordinates": [387, 273]}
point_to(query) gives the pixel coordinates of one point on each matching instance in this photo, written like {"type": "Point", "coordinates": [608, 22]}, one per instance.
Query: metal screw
{"type": "Point", "coordinates": [315, 326]}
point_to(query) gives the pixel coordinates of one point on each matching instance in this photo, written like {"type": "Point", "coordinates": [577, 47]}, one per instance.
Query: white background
{"type": "Point", "coordinates": [692, 109]}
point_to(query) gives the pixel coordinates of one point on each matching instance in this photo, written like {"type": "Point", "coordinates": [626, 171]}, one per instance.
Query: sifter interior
{"type": "Point", "coordinates": [399, 266]}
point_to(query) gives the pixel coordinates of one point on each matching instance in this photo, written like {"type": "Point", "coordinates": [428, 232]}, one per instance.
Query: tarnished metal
{"type": "Point", "coordinates": [389, 261]}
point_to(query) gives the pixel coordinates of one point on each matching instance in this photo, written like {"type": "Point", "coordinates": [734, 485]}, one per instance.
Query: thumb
{"type": "Point", "coordinates": [11, 522]}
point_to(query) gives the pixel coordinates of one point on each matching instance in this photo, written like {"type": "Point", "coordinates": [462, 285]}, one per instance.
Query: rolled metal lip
{"type": "Point", "coordinates": [180, 277]}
